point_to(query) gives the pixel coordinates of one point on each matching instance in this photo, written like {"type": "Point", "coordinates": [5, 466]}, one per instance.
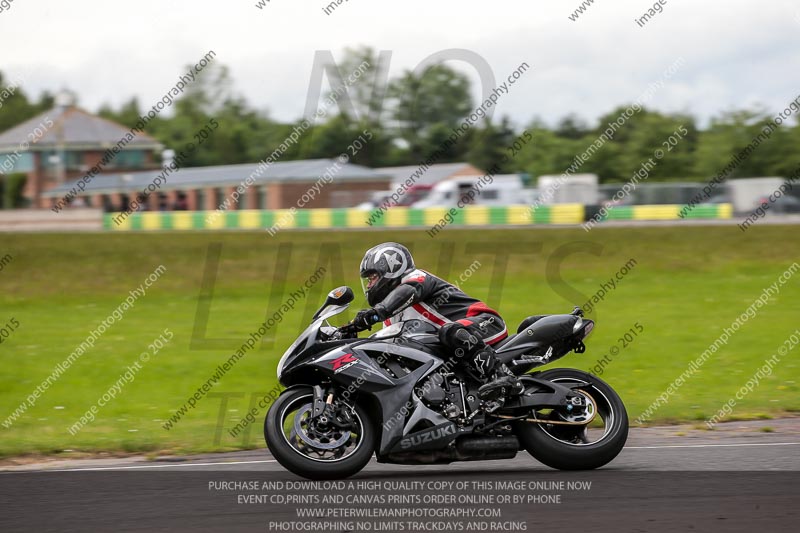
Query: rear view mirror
{"type": "Point", "coordinates": [339, 296]}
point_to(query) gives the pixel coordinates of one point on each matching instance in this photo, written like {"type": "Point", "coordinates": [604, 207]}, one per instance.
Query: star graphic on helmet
{"type": "Point", "coordinates": [392, 260]}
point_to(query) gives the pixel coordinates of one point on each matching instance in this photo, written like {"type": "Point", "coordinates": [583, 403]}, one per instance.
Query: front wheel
{"type": "Point", "coordinates": [581, 446]}
{"type": "Point", "coordinates": [318, 449]}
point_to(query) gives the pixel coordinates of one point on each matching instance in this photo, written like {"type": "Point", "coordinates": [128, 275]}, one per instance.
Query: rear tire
{"type": "Point", "coordinates": [293, 458]}
{"type": "Point", "coordinates": [551, 444]}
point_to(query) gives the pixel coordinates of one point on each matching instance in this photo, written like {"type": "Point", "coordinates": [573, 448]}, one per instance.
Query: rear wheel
{"type": "Point", "coordinates": [318, 448]}
{"type": "Point", "coordinates": [582, 446]}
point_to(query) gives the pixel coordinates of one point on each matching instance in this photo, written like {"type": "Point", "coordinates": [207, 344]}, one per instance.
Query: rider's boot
{"type": "Point", "coordinates": [502, 382]}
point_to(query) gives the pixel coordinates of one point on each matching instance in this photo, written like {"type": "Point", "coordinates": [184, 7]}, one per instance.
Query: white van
{"type": "Point", "coordinates": [574, 189]}
{"type": "Point", "coordinates": [504, 189]}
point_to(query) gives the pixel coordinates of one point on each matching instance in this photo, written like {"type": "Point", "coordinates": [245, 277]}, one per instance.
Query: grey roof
{"type": "Point", "coordinates": [309, 170]}
{"type": "Point", "coordinates": [433, 175]}
{"type": "Point", "coordinates": [75, 129]}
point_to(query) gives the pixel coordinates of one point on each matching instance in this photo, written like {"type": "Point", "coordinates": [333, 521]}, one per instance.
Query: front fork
{"type": "Point", "coordinates": [324, 412]}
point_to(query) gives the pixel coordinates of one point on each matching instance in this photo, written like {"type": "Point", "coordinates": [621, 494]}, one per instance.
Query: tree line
{"type": "Point", "coordinates": [416, 114]}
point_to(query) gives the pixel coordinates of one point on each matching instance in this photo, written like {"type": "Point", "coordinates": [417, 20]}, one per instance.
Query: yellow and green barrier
{"type": "Point", "coordinates": [396, 217]}
{"type": "Point", "coordinates": [667, 212]}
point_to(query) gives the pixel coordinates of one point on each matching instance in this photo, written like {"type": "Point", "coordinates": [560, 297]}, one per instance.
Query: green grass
{"type": "Point", "coordinates": [688, 283]}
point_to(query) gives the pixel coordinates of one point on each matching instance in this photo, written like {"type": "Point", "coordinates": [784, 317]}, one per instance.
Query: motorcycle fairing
{"type": "Point", "coordinates": [353, 360]}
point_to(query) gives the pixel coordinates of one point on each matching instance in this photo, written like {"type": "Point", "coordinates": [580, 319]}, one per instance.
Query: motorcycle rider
{"type": "Point", "coordinates": [398, 291]}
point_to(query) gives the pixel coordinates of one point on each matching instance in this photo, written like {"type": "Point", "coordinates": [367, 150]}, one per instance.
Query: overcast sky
{"type": "Point", "coordinates": [737, 53]}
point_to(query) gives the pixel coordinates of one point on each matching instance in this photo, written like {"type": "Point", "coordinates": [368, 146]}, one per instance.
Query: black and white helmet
{"type": "Point", "coordinates": [382, 268]}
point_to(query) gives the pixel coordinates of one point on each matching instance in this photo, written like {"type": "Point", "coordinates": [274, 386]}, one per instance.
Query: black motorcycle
{"type": "Point", "coordinates": [393, 394]}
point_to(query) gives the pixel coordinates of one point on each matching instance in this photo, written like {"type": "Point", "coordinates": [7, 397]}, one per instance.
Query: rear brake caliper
{"type": "Point", "coordinates": [575, 401]}
{"type": "Point", "coordinates": [579, 408]}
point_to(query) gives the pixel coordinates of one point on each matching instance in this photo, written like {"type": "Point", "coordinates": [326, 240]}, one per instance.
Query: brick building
{"type": "Point", "coordinates": [62, 144]}
{"type": "Point", "coordinates": [306, 183]}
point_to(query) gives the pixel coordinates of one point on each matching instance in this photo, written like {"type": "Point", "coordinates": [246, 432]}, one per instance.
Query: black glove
{"type": "Point", "coordinates": [365, 318]}
{"type": "Point", "coordinates": [348, 331]}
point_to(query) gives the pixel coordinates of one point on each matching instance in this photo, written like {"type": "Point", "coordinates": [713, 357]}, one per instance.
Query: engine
{"type": "Point", "coordinates": [448, 395]}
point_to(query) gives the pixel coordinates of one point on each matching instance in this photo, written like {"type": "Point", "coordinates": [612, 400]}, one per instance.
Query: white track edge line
{"type": "Point", "coordinates": [230, 463]}
{"type": "Point", "coordinates": [739, 445]}
{"type": "Point", "coordinates": [138, 467]}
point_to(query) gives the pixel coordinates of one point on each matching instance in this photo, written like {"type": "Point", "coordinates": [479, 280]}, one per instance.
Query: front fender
{"type": "Point", "coordinates": [298, 386]}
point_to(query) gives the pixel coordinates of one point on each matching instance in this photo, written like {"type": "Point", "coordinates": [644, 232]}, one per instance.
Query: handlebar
{"type": "Point", "coordinates": [349, 330]}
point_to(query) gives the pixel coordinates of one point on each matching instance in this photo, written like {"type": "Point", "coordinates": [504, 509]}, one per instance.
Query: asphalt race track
{"type": "Point", "coordinates": [741, 477]}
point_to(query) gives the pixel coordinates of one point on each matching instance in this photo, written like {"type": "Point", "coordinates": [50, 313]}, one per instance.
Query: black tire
{"type": "Point", "coordinates": [545, 445]}
{"type": "Point", "coordinates": [294, 461]}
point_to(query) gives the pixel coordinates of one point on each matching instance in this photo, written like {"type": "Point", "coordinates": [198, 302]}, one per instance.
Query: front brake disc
{"type": "Point", "coordinates": [302, 432]}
